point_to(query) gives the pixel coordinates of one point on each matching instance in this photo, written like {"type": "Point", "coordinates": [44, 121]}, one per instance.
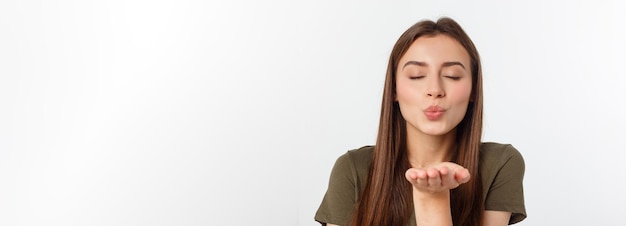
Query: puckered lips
{"type": "Point", "coordinates": [434, 112]}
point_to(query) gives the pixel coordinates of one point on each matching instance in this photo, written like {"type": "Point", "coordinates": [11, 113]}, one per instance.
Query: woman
{"type": "Point", "coordinates": [429, 166]}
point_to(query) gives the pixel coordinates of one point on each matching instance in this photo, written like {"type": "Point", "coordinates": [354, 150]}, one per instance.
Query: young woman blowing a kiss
{"type": "Point", "coordinates": [429, 165]}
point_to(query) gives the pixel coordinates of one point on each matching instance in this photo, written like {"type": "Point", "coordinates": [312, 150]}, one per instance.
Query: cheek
{"type": "Point", "coordinates": [404, 93]}
{"type": "Point", "coordinates": [461, 94]}
{"type": "Point", "coordinates": [459, 99]}
{"type": "Point", "coordinates": [407, 99]}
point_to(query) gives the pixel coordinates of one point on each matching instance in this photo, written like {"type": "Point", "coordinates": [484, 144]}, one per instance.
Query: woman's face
{"type": "Point", "coordinates": [433, 85]}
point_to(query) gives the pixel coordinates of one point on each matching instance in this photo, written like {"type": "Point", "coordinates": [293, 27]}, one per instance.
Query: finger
{"type": "Point", "coordinates": [462, 176]}
{"type": "Point", "coordinates": [411, 175]}
{"type": "Point", "coordinates": [444, 171]}
{"type": "Point", "coordinates": [415, 176]}
{"type": "Point", "coordinates": [421, 174]}
{"type": "Point", "coordinates": [422, 178]}
{"type": "Point", "coordinates": [448, 181]}
{"type": "Point", "coordinates": [432, 172]}
{"type": "Point", "coordinates": [434, 178]}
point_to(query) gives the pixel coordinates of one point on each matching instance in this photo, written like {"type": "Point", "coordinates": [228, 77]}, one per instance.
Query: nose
{"type": "Point", "coordinates": [435, 89]}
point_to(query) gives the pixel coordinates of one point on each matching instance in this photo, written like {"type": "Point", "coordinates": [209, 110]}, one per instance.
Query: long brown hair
{"type": "Point", "coordinates": [387, 197]}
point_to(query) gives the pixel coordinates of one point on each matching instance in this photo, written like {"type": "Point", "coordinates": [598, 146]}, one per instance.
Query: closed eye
{"type": "Point", "coordinates": [455, 78]}
{"type": "Point", "coordinates": [416, 77]}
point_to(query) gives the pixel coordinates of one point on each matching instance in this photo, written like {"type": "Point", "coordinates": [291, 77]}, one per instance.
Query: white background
{"type": "Point", "coordinates": [214, 113]}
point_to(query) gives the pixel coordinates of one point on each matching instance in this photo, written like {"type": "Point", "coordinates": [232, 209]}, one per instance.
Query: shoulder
{"type": "Point", "coordinates": [346, 183]}
{"type": "Point", "coordinates": [500, 163]}
{"type": "Point", "coordinates": [360, 156]}
{"type": "Point", "coordinates": [353, 166]}
{"type": "Point", "coordinates": [496, 154]}
{"type": "Point", "coordinates": [357, 161]}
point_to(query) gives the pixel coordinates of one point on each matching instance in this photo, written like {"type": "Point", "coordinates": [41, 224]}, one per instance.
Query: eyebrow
{"type": "Point", "coordinates": [424, 64]}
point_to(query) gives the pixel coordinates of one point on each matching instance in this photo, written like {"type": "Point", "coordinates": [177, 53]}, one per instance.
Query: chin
{"type": "Point", "coordinates": [436, 131]}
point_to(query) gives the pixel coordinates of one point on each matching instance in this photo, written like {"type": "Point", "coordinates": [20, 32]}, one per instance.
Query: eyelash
{"type": "Point", "coordinates": [454, 78]}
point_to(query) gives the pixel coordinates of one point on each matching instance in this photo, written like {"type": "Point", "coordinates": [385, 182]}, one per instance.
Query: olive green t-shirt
{"type": "Point", "coordinates": [502, 173]}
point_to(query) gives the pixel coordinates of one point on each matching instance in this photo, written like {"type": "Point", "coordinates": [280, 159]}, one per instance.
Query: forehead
{"type": "Point", "coordinates": [436, 50]}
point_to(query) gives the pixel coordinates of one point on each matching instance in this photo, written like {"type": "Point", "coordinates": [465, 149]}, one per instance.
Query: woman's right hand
{"type": "Point", "coordinates": [438, 177]}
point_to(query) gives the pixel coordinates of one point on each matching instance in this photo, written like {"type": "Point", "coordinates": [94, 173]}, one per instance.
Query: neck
{"type": "Point", "coordinates": [424, 150]}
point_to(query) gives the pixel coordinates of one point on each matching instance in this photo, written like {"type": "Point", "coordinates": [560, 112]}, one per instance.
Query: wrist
{"type": "Point", "coordinates": [432, 208]}
{"type": "Point", "coordinates": [429, 195]}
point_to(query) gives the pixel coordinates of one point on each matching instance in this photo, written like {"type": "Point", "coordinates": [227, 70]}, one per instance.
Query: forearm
{"type": "Point", "coordinates": [432, 209]}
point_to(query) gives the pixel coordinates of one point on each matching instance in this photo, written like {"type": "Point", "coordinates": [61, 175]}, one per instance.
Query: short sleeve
{"type": "Point", "coordinates": [506, 192]}
{"type": "Point", "coordinates": [339, 200]}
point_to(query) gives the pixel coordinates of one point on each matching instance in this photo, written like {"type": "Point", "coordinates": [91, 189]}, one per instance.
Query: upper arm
{"type": "Point", "coordinates": [506, 191]}
{"type": "Point", "coordinates": [496, 218]}
{"type": "Point", "coordinates": [340, 197]}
